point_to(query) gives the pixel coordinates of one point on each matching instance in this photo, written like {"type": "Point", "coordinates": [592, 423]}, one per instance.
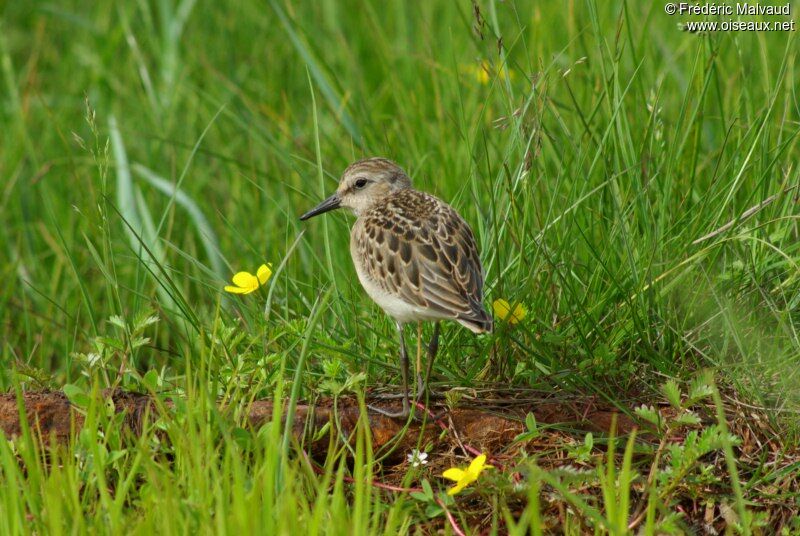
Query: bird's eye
{"type": "Point", "coordinates": [360, 183]}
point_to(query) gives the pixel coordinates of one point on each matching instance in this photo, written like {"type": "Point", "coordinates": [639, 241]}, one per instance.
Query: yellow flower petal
{"type": "Point", "coordinates": [477, 465]}
{"type": "Point", "coordinates": [518, 313]}
{"type": "Point", "coordinates": [504, 311]}
{"type": "Point", "coordinates": [454, 473]}
{"type": "Point", "coordinates": [264, 273]}
{"type": "Point", "coordinates": [457, 488]}
{"type": "Point", "coordinates": [245, 280]}
{"type": "Point", "coordinates": [505, 73]}
{"type": "Point", "coordinates": [501, 308]}
{"type": "Point", "coordinates": [237, 290]}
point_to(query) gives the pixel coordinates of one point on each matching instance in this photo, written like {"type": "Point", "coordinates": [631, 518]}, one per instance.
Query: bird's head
{"type": "Point", "coordinates": [364, 184]}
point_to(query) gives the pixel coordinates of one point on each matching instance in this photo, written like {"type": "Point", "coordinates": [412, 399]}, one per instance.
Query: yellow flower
{"type": "Point", "coordinates": [465, 477]}
{"type": "Point", "coordinates": [245, 282]}
{"type": "Point", "coordinates": [504, 311]}
{"type": "Point", "coordinates": [484, 72]}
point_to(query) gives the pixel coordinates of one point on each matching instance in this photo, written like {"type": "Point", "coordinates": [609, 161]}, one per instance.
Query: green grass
{"type": "Point", "coordinates": [152, 149]}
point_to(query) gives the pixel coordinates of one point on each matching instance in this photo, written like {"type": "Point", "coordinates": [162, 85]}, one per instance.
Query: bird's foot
{"type": "Point", "coordinates": [421, 388]}
{"type": "Point", "coordinates": [389, 396]}
{"type": "Point", "coordinates": [424, 390]}
{"type": "Point", "coordinates": [419, 396]}
{"type": "Point", "coordinates": [402, 414]}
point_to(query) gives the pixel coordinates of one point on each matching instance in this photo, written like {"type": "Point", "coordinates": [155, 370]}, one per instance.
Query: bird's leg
{"type": "Point", "coordinates": [433, 349]}
{"type": "Point", "coordinates": [419, 359]}
{"type": "Point", "coordinates": [403, 413]}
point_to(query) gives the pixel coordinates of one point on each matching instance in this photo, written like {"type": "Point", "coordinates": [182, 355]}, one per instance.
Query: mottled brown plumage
{"type": "Point", "coordinates": [414, 254]}
{"type": "Point", "coordinates": [417, 248]}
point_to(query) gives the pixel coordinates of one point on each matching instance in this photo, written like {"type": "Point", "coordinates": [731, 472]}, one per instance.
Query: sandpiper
{"type": "Point", "coordinates": [414, 255]}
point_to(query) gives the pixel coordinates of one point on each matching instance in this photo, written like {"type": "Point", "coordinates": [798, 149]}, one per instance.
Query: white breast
{"type": "Point", "coordinates": [394, 306]}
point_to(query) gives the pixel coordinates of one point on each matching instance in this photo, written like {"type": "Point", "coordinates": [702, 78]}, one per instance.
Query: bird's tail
{"type": "Point", "coordinates": [478, 322]}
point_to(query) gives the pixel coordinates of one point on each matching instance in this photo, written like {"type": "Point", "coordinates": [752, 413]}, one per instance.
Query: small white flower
{"type": "Point", "coordinates": [417, 458]}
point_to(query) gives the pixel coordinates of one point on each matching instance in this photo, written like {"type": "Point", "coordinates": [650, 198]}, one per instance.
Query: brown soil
{"type": "Point", "coordinates": [485, 421]}
{"type": "Point", "coordinates": [51, 415]}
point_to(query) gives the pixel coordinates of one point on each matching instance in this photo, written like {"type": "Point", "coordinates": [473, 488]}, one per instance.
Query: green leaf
{"type": "Point", "coordinates": [76, 395]}
{"type": "Point", "coordinates": [700, 392]}
{"type": "Point", "coordinates": [138, 342]}
{"type": "Point", "coordinates": [109, 342]}
{"type": "Point", "coordinates": [322, 432]}
{"type": "Point", "coordinates": [118, 321]}
{"type": "Point", "coordinates": [427, 487]}
{"type": "Point", "coordinates": [526, 436]}
{"type": "Point", "coordinates": [150, 380]}
{"type": "Point", "coordinates": [687, 418]}
{"type": "Point", "coordinates": [242, 437]}
{"type": "Point", "coordinates": [433, 510]}
{"type": "Point", "coordinates": [702, 387]}
{"type": "Point", "coordinates": [673, 393]}
{"type": "Point", "coordinates": [530, 422]}
{"type": "Point", "coordinates": [144, 318]}
{"type": "Point", "coordinates": [355, 380]}
{"type": "Point", "coordinates": [531, 431]}
{"type": "Point", "coordinates": [116, 455]}
{"type": "Point", "coordinates": [649, 414]}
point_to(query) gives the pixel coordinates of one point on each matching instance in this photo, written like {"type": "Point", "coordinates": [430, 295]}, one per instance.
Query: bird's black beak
{"type": "Point", "coordinates": [332, 203]}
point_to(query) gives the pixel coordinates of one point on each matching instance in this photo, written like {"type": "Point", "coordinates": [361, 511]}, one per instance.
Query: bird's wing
{"type": "Point", "coordinates": [432, 262]}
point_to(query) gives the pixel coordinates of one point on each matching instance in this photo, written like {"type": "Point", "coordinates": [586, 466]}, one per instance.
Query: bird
{"type": "Point", "coordinates": [414, 255]}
